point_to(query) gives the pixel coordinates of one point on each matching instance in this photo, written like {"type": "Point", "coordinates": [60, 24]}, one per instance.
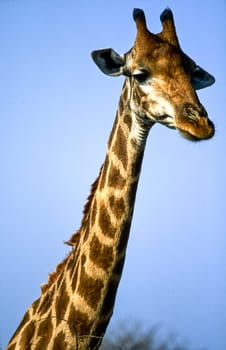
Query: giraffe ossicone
{"type": "Point", "coordinates": [77, 303]}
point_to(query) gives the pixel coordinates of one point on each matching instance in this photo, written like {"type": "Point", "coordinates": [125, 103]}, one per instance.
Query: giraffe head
{"type": "Point", "coordinates": [163, 79]}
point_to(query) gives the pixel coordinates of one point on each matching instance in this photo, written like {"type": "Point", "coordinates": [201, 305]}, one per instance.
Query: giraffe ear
{"type": "Point", "coordinates": [109, 61]}
{"type": "Point", "coordinates": [201, 79]}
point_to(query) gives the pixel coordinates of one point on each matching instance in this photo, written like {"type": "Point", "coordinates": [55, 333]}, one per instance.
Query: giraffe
{"type": "Point", "coordinates": [77, 302]}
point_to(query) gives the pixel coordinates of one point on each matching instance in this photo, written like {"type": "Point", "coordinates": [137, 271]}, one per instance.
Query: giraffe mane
{"type": "Point", "coordinates": [74, 240]}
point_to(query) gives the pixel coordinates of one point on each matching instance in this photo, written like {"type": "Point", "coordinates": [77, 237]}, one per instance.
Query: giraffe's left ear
{"type": "Point", "coordinates": [201, 79]}
{"type": "Point", "coordinates": [109, 61]}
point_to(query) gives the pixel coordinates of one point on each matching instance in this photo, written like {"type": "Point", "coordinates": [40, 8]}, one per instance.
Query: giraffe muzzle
{"type": "Point", "coordinates": [193, 123]}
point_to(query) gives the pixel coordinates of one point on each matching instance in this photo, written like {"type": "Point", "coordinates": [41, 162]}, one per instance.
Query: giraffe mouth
{"type": "Point", "coordinates": [199, 135]}
{"type": "Point", "coordinates": [189, 136]}
{"type": "Point", "coordinates": [196, 130]}
{"type": "Point", "coordinates": [166, 120]}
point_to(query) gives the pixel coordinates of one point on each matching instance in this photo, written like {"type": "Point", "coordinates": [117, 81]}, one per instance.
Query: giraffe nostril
{"type": "Point", "coordinates": [193, 113]}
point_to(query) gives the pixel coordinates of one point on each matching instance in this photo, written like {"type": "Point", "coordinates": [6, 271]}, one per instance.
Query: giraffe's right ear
{"type": "Point", "coordinates": [109, 61]}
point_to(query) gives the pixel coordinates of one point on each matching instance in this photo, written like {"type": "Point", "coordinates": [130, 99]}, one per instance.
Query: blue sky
{"type": "Point", "coordinates": [57, 110]}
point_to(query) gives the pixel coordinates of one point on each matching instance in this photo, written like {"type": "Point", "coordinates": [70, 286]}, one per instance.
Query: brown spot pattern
{"type": "Point", "coordinates": [105, 222]}
{"type": "Point", "coordinates": [83, 259]}
{"type": "Point", "coordinates": [117, 206]}
{"type": "Point", "coordinates": [90, 289]}
{"type": "Point", "coordinates": [78, 322]}
{"type": "Point", "coordinates": [59, 342]}
{"type": "Point", "coordinates": [101, 254]}
{"type": "Point", "coordinates": [115, 179]}
{"type": "Point", "coordinates": [120, 147]}
{"type": "Point", "coordinates": [44, 332]}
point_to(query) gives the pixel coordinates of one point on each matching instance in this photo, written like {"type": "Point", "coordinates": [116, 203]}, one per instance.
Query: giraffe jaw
{"type": "Point", "coordinates": [187, 135]}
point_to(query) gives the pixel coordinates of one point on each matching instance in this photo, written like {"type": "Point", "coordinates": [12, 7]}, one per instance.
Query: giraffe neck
{"type": "Point", "coordinates": [76, 308]}
{"type": "Point", "coordinates": [106, 230]}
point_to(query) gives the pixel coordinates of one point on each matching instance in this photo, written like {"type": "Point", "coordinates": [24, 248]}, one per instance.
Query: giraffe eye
{"type": "Point", "coordinates": [141, 75]}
